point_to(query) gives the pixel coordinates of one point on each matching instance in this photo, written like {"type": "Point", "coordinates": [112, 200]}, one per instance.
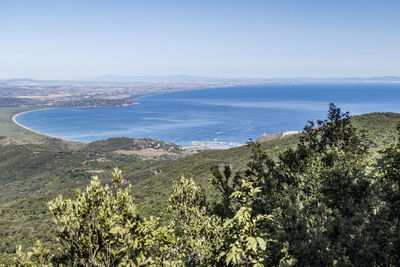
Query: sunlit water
{"type": "Point", "coordinates": [226, 116]}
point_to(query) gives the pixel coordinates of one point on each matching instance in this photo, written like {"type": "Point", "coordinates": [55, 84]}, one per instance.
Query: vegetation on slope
{"type": "Point", "coordinates": [30, 179]}
{"type": "Point", "coordinates": [124, 145]}
{"type": "Point", "coordinates": [322, 202]}
{"type": "Point", "coordinates": [10, 129]}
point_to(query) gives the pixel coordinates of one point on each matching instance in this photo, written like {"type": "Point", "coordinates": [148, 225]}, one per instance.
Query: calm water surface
{"type": "Point", "coordinates": [228, 115]}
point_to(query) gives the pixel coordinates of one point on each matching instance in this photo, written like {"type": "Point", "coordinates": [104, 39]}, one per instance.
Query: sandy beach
{"type": "Point", "coordinates": [29, 129]}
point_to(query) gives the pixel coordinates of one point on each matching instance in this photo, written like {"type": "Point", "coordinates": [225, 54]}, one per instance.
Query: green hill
{"type": "Point", "coordinates": [32, 174]}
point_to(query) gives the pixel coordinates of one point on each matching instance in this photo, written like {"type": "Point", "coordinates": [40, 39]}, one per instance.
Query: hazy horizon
{"type": "Point", "coordinates": [193, 77]}
{"type": "Point", "coordinates": [77, 40]}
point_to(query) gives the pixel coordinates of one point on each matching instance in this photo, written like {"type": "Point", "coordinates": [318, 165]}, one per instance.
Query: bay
{"type": "Point", "coordinates": [224, 117]}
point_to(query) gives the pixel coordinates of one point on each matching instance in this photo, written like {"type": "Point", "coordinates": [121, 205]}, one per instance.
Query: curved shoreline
{"type": "Point", "coordinates": [134, 98]}
{"type": "Point", "coordinates": [14, 119]}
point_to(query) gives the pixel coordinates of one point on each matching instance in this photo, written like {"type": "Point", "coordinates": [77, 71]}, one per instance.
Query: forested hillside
{"type": "Point", "coordinates": [317, 201]}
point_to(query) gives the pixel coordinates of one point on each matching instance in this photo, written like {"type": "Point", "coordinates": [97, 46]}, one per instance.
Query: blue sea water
{"type": "Point", "coordinates": [228, 115]}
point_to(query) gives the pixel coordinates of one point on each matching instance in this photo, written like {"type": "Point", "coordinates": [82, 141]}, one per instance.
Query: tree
{"type": "Point", "coordinates": [226, 183]}
{"type": "Point", "coordinates": [100, 228]}
{"type": "Point", "coordinates": [318, 192]}
{"type": "Point", "coordinates": [198, 237]}
{"type": "Point", "coordinates": [246, 240]}
{"type": "Point", "coordinates": [386, 218]}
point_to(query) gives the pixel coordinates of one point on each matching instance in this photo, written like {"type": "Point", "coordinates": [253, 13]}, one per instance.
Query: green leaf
{"type": "Point", "coordinates": [262, 243]}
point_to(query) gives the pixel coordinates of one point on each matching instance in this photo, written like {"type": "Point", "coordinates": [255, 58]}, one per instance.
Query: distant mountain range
{"type": "Point", "coordinates": [181, 77]}
{"type": "Point", "coordinates": [193, 78]}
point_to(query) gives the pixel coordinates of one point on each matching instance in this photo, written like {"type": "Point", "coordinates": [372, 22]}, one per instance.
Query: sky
{"type": "Point", "coordinates": [69, 39]}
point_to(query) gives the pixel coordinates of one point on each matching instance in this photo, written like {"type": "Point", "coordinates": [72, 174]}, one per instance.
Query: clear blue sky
{"type": "Point", "coordinates": [68, 39]}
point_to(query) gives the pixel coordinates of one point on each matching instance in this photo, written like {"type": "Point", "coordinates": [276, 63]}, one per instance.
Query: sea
{"type": "Point", "coordinates": [217, 117]}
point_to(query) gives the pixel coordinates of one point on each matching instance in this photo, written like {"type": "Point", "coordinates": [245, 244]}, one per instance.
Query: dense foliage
{"type": "Point", "coordinates": [325, 201]}
{"type": "Point", "coordinates": [102, 228]}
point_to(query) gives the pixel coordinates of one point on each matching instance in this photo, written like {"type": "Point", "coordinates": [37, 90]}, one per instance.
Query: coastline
{"type": "Point", "coordinates": [202, 145]}
{"type": "Point", "coordinates": [207, 144]}
{"type": "Point", "coordinates": [133, 98]}
{"type": "Point", "coordinates": [14, 119]}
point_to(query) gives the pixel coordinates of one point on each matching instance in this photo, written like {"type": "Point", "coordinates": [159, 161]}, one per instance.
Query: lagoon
{"type": "Point", "coordinates": [227, 116]}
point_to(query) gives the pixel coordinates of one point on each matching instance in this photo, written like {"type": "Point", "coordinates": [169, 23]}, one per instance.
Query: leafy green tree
{"type": "Point", "coordinates": [318, 192]}
{"type": "Point", "coordinates": [385, 224]}
{"type": "Point", "coordinates": [203, 240]}
{"type": "Point", "coordinates": [225, 183]}
{"type": "Point", "coordinates": [198, 236]}
{"type": "Point", "coordinates": [101, 227]}
{"type": "Point", "coordinates": [247, 243]}
{"type": "Point", "coordinates": [38, 256]}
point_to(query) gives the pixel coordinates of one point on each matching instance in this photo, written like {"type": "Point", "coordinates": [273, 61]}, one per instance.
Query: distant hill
{"type": "Point", "coordinates": [120, 78]}
{"type": "Point", "coordinates": [268, 137]}
{"type": "Point", "coordinates": [193, 78]}
{"type": "Point", "coordinates": [126, 143]}
{"type": "Point", "coordinates": [20, 80]}
{"type": "Point", "coordinates": [280, 80]}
